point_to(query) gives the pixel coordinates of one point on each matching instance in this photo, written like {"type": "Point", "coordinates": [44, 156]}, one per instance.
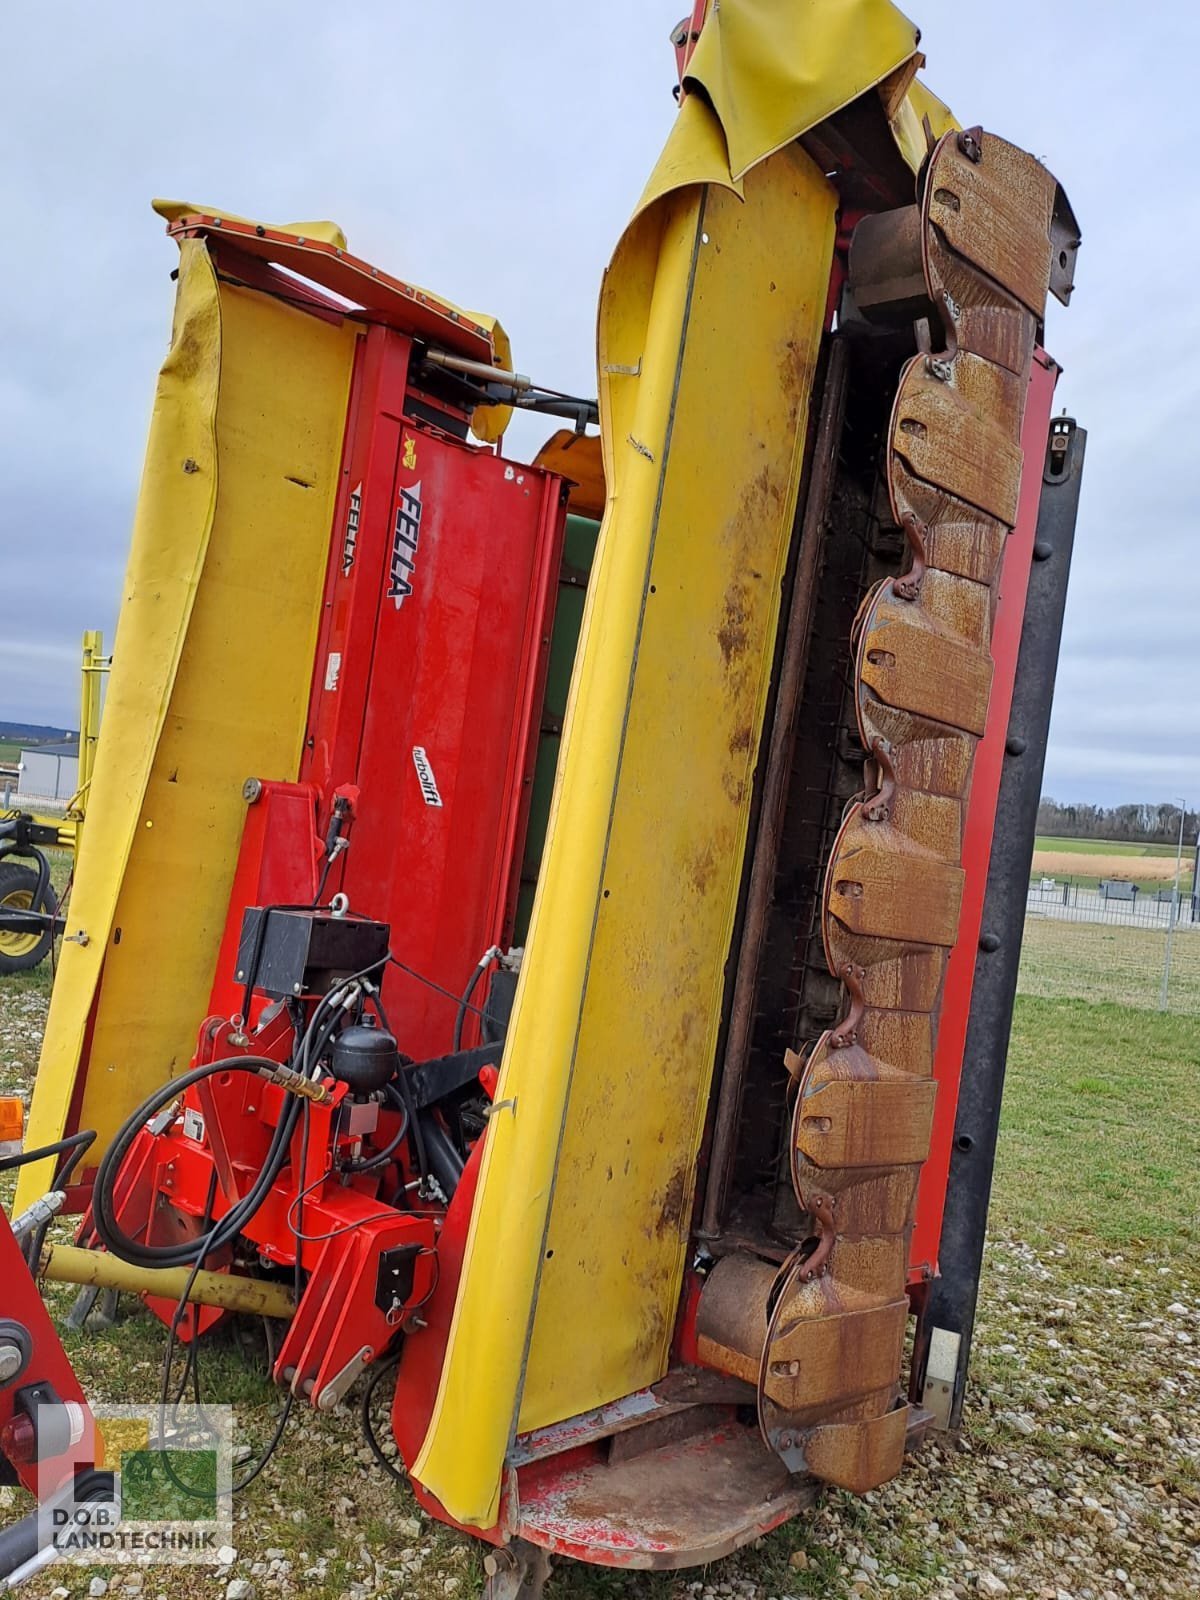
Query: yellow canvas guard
{"type": "Point", "coordinates": [210, 680]}
{"type": "Point", "coordinates": [710, 322]}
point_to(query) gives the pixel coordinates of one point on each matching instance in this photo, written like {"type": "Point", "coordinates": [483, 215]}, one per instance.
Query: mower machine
{"type": "Point", "coordinates": [552, 929]}
{"type": "Point", "coordinates": [30, 915]}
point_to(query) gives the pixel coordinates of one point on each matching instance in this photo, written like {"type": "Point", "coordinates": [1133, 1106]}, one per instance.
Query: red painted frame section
{"type": "Point", "coordinates": [980, 819]}
{"type": "Point", "coordinates": [365, 288]}
{"type": "Point", "coordinates": [49, 1363]}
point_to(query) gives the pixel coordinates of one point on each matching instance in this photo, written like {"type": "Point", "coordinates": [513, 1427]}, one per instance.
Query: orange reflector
{"type": "Point", "coordinates": [12, 1124]}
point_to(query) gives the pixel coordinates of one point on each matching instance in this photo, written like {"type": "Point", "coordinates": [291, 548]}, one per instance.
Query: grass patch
{"type": "Point", "coordinates": [1107, 847]}
{"type": "Point", "coordinates": [1095, 1220]}
{"type": "Point", "coordinates": [1110, 963]}
{"type": "Point", "coordinates": [1101, 1127]}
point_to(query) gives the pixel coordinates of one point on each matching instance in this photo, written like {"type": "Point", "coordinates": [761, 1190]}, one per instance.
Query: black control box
{"type": "Point", "coordinates": [286, 953]}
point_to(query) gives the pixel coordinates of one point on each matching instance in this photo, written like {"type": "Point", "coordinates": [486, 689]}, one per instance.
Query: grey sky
{"type": "Point", "coordinates": [492, 152]}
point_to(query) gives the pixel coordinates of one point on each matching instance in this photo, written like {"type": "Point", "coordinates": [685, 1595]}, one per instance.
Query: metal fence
{"type": "Point", "coordinates": [12, 799]}
{"type": "Point", "coordinates": [1083, 944]}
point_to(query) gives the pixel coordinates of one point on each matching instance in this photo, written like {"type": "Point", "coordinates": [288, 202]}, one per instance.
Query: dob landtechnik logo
{"type": "Point", "coordinates": [172, 1497]}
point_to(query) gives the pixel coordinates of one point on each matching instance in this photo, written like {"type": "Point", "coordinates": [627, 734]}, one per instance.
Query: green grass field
{"type": "Point", "coordinates": [1095, 1230]}
{"type": "Point", "coordinates": [1103, 847]}
{"type": "Point", "coordinates": [1122, 966]}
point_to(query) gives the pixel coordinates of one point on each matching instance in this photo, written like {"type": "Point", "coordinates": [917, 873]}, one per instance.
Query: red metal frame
{"type": "Point", "coordinates": [685, 38]}
{"type": "Point", "coordinates": [23, 1304]}
{"type": "Point", "coordinates": [977, 832]}
{"type": "Point", "coordinates": [422, 725]}
{"type": "Point", "coordinates": [376, 293]}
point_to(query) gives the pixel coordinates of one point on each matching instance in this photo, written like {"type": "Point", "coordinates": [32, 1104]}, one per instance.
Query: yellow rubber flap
{"type": "Point", "coordinates": [211, 670]}
{"type": "Point", "coordinates": [709, 322]}
{"type": "Point", "coordinates": [772, 69]}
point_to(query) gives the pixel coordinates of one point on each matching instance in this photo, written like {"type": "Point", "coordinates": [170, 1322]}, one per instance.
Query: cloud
{"type": "Point", "coordinates": [494, 153]}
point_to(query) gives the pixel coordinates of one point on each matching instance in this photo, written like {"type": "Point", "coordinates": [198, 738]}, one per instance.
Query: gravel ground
{"type": "Point", "coordinates": [1077, 1476]}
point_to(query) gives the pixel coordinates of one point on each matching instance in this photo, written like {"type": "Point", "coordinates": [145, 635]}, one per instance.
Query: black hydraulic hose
{"type": "Point", "coordinates": [464, 1001]}
{"type": "Point", "coordinates": [77, 1146]}
{"type": "Point", "coordinates": [77, 1143]}
{"type": "Point", "coordinates": [21, 1541]}
{"type": "Point", "coordinates": [381, 1159]}
{"type": "Point", "coordinates": [108, 1230]}
{"type": "Point", "coordinates": [39, 901]}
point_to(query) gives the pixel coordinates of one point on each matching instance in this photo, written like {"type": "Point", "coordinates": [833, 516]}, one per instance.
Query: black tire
{"type": "Point", "coordinates": [21, 951]}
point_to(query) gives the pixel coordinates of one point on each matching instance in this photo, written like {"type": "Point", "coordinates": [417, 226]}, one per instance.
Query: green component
{"type": "Point", "coordinates": [579, 551]}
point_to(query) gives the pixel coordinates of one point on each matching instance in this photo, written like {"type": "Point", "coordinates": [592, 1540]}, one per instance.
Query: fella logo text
{"type": "Point", "coordinates": [404, 545]}
{"type": "Point", "coordinates": [350, 542]}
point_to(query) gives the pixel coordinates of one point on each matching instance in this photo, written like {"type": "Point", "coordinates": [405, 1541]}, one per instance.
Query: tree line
{"type": "Point", "coordinates": [1137, 824]}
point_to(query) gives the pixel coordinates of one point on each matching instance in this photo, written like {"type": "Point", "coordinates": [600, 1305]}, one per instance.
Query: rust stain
{"type": "Point", "coordinates": [702, 867]}
{"type": "Point", "coordinates": [742, 739]}
{"type": "Point", "coordinates": [733, 636]}
{"type": "Point", "coordinates": [668, 1211]}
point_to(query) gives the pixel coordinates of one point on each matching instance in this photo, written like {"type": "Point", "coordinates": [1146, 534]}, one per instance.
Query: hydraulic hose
{"type": "Point", "coordinates": [110, 1233]}
{"type": "Point", "coordinates": [464, 1002]}
{"type": "Point", "coordinates": [77, 1143]}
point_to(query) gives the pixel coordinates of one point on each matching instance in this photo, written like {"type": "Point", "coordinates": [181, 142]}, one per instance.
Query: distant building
{"type": "Point", "coordinates": [50, 771]}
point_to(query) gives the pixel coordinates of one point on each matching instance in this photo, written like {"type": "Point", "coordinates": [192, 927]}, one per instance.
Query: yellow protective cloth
{"type": "Point", "coordinates": [710, 319]}
{"type": "Point", "coordinates": [775, 68]}
{"type": "Point", "coordinates": [211, 671]}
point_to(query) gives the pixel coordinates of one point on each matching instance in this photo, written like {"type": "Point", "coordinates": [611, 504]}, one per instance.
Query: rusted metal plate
{"type": "Point", "coordinates": [931, 822]}
{"type": "Point", "coordinates": [882, 887]}
{"type": "Point", "coordinates": [993, 204]}
{"type": "Point", "coordinates": [959, 432]}
{"type": "Point", "coordinates": [684, 1423]}
{"type": "Point", "coordinates": [860, 1455]}
{"type": "Point", "coordinates": [686, 1503]}
{"type": "Point", "coordinates": [632, 1411]}
{"type": "Point", "coordinates": [926, 755]}
{"type": "Point", "coordinates": [904, 1039]}
{"type": "Point", "coordinates": [959, 539]}
{"type": "Point", "coordinates": [863, 1122]}
{"type": "Point", "coordinates": [907, 979]}
{"type": "Point", "coordinates": [916, 665]}
{"type": "Point", "coordinates": [814, 1363]}
{"type": "Point", "coordinates": [732, 1317]}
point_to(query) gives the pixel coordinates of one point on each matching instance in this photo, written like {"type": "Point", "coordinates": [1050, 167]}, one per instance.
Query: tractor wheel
{"type": "Point", "coordinates": [20, 951]}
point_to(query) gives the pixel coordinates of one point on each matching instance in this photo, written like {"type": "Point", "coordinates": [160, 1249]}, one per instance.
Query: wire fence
{"type": "Point", "coordinates": [1086, 944]}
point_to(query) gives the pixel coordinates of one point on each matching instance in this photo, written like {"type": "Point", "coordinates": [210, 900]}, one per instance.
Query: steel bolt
{"type": "Point", "coordinates": [11, 1360]}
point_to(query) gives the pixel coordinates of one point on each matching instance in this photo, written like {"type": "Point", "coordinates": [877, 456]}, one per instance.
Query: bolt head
{"type": "Point", "coordinates": [11, 1361]}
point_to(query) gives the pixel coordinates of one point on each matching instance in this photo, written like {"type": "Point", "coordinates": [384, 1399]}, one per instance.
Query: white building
{"type": "Point", "coordinates": [49, 771]}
